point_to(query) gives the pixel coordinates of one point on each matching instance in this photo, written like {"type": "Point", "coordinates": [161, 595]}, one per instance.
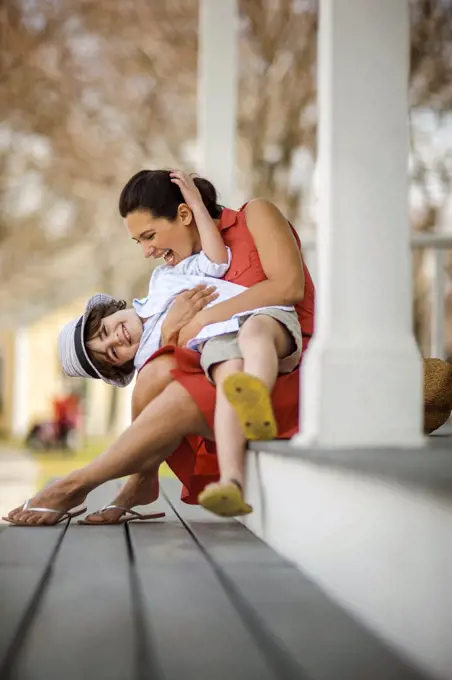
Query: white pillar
{"type": "Point", "coordinates": [97, 408]}
{"type": "Point", "coordinates": [217, 94]}
{"type": "Point", "coordinates": [20, 405]}
{"type": "Point", "coordinates": [361, 378]}
{"type": "Point", "coordinates": [124, 417]}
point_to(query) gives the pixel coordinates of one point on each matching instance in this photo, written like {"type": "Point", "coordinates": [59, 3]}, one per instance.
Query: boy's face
{"type": "Point", "coordinates": [118, 338]}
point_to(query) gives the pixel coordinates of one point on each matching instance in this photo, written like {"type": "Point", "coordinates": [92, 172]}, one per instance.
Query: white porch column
{"type": "Point", "coordinates": [124, 417]}
{"type": "Point", "coordinates": [361, 379]}
{"type": "Point", "coordinates": [217, 94]}
{"type": "Point", "coordinates": [20, 405]}
{"type": "Point", "coordinates": [97, 408]}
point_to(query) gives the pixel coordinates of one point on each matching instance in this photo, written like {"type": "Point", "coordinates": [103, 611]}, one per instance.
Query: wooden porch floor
{"type": "Point", "coordinates": [186, 597]}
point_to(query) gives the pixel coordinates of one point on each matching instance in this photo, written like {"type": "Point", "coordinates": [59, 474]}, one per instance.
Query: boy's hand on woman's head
{"type": "Point", "coordinates": [183, 310]}
{"type": "Point", "coordinates": [189, 190]}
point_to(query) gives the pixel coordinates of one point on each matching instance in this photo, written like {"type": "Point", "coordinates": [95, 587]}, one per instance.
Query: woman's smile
{"type": "Point", "coordinates": [169, 257]}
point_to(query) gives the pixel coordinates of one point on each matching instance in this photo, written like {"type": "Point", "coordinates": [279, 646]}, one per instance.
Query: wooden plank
{"type": "Point", "coordinates": [302, 625]}
{"type": "Point", "coordinates": [25, 558]}
{"type": "Point", "coordinates": [193, 630]}
{"type": "Point", "coordinates": [195, 517]}
{"type": "Point", "coordinates": [86, 624]}
{"type": "Point", "coordinates": [318, 634]}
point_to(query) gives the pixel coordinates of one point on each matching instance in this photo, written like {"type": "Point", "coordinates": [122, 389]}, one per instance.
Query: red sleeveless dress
{"type": "Point", "coordinates": [195, 461]}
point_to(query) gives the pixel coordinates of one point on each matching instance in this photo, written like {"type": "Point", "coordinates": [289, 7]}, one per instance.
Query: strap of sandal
{"type": "Point", "coordinates": [29, 509]}
{"type": "Point", "coordinates": [125, 511]}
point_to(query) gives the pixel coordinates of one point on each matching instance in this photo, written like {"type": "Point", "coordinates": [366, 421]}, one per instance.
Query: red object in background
{"type": "Point", "coordinates": [67, 410]}
{"type": "Point", "coordinates": [67, 416]}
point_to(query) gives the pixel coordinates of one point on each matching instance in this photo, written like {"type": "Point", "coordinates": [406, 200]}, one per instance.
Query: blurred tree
{"type": "Point", "coordinates": [90, 92]}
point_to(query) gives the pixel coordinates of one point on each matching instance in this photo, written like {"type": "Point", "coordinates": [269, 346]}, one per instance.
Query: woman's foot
{"type": "Point", "coordinates": [61, 496]}
{"type": "Point", "coordinates": [140, 489]}
{"type": "Point", "coordinates": [251, 400]}
{"type": "Point", "coordinates": [225, 499]}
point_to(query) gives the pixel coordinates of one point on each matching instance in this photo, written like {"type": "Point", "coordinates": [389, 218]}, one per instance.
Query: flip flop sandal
{"type": "Point", "coordinates": [134, 515]}
{"type": "Point", "coordinates": [225, 500]}
{"type": "Point", "coordinates": [64, 515]}
{"type": "Point", "coordinates": [250, 399]}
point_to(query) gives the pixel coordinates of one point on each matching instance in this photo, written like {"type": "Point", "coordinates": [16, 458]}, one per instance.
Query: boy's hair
{"type": "Point", "coordinates": [92, 327]}
{"type": "Point", "coordinates": [153, 191]}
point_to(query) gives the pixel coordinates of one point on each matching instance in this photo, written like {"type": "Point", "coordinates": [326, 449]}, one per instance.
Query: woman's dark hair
{"type": "Point", "coordinates": [153, 190]}
{"type": "Point", "coordinates": [92, 328]}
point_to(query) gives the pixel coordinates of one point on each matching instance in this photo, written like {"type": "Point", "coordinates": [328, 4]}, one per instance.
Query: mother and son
{"type": "Point", "coordinates": [216, 345]}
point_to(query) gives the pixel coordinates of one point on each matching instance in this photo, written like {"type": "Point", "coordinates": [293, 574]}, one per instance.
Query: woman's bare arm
{"type": "Point", "coordinates": [281, 261]}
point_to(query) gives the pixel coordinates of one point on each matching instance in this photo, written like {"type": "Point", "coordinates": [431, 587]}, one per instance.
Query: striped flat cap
{"type": "Point", "coordinates": [71, 347]}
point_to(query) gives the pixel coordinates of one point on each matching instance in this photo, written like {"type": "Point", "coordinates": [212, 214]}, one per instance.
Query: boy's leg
{"type": "Point", "coordinates": [229, 439]}
{"type": "Point", "coordinates": [262, 341]}
{"type": "Point", "coordinates": [226, 498]}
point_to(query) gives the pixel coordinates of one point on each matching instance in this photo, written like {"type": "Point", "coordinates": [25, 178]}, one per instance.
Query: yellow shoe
{"type": "Point", "coordinates": [251, 400]}
{"type": "Point", "coordinates": [225, 500]}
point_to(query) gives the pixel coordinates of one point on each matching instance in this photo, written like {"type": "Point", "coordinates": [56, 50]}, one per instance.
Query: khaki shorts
{"type": "Point", "coordinates": [226, 347]}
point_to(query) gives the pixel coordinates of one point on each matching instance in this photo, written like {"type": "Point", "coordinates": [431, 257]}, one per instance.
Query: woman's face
{"type": "Point", "coordinates": [161, 238]}
{"type": "Point", "coordinates": [118, 338]}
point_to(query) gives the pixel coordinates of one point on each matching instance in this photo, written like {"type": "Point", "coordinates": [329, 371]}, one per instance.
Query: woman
{"type": "Point", "coordinates": [173, 403]}
{"type": "Point", "coordinates": [114, 341]}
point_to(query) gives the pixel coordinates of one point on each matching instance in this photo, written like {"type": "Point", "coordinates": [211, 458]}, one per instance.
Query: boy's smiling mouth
{"type": "Point", "coordinates": [126, 334]}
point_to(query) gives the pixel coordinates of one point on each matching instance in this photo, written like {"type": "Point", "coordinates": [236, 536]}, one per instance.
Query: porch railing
{"type": "Point", "coordinates": [437, 245]}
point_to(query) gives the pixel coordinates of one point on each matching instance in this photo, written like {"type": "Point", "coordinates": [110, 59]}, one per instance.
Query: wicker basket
{"type": "Point", "coordinates": [437, 393]}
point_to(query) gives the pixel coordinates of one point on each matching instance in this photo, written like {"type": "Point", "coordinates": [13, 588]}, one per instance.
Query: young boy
{"type": "Point", "coordinates": [110, 342]}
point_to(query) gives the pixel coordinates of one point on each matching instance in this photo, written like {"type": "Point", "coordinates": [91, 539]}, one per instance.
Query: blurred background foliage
{"type": "Point", "coordinates": [92, 91]}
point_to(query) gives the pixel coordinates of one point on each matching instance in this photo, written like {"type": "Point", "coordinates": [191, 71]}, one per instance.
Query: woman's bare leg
{"type": "Point", "coordinates": [143, 487]}
{"type": "Point", "coordinates": [151, 438]}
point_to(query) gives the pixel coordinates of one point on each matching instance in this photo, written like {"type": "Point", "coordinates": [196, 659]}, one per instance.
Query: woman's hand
{"type": "Point", "coordinates": [189, 190]}
{"type": "Point", "coordinates": [183, 310]}
{"type": "Point", "coordinates": [191, 329]}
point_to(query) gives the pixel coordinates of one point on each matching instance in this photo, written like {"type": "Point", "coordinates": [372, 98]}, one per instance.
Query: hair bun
{"type": "Point", "coordinates": [208, 195]}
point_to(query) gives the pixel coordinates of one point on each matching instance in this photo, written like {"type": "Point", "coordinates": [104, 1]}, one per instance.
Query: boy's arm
{"type": "Point", "coordinates": [211, 240]}
{"type": "Point", "coordinates": [201, 265]}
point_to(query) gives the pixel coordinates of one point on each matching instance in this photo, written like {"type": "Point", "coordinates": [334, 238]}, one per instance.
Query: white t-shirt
{"type": "Point", "coordinates": [164, 286]}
